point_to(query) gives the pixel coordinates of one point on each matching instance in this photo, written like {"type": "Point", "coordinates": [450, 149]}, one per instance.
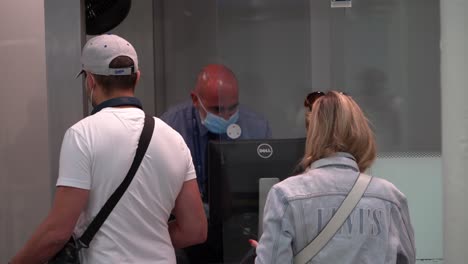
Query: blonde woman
{"type": "Point", "coordinates": [339, 146]}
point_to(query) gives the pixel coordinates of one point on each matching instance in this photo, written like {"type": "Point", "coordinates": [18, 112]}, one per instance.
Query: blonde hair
{"type": "Point", "coordinates": [337, 124]}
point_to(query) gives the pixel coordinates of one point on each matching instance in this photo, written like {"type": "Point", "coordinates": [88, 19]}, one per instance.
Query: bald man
{"type": "Point", "coordinates": [214, 113]}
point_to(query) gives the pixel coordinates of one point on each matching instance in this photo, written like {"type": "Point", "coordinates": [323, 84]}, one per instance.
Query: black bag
{"type": "Point", "coordinates": [69, 254]}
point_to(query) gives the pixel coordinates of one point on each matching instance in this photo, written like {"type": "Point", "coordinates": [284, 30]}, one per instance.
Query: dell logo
{"type": "Point", "coordinates": [264, 150]}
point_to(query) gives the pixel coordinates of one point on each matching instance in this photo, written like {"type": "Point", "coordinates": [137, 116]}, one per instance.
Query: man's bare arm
{"type": "Point", "coordinates": [190, 226]}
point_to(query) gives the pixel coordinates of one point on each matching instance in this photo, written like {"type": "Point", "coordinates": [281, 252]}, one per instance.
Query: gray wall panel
{"type": "Point", "coordinates": [138, 29]}
{"type": "Point", "coordinates": [64, 38]}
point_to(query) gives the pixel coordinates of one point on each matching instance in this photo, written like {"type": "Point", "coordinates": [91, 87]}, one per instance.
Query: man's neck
{"type": "Point", "coordinates": [116, 95]}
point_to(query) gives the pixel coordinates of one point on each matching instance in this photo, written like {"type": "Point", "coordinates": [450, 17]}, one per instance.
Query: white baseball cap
{"type": "Point", "coordinates": [99, 51]}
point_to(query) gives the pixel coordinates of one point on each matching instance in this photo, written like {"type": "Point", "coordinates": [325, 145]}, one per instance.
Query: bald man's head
{"type": "Point", "coordinates": [217, 88]}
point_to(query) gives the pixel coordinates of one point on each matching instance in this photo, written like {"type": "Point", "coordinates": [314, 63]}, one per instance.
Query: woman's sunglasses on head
{"type": "Point", "coordinates": [312, 97]}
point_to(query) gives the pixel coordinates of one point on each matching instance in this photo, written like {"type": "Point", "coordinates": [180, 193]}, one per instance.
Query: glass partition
{"type": "Point", "coordinates": [388, 59]}
{"type": "Point", "coordinates": [382, 53]}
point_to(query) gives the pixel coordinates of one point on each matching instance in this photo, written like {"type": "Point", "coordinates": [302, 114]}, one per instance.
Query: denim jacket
{"type": "Point", "coordinates": [297, 209]}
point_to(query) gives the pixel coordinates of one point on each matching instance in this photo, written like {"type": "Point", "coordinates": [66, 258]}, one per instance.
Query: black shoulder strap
{"type": "Point", "coordinates": [105, 211]}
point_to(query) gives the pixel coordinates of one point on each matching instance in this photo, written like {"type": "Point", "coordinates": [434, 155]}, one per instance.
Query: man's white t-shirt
{"type": "Point", "coordinates": [96, 155]}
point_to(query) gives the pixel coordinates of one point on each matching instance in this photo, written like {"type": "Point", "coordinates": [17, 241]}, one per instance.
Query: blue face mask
{"type": "Point", "coordinates": [216, 124]}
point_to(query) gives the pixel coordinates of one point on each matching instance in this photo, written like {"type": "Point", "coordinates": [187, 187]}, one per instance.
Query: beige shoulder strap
{"type": "Point", "coordinates": [348, 205]}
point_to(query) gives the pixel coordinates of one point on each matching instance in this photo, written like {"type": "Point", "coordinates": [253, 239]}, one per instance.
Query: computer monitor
{"type": "Point", "coordinates": [234, 172]}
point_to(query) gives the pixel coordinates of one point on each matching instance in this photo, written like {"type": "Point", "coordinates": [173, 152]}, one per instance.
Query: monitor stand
{"type": "Point", "coordinates": [264, 187]}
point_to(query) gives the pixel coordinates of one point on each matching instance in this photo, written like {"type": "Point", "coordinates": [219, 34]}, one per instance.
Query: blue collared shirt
{"type": "Point", "coordinates": [185, 119]}
{"type": "Point", "coordinates": [378, 231]}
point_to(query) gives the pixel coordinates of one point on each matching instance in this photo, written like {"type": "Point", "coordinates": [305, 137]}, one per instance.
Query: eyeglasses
{"type": "Point", "coordinates": [311, 98]}
{"type": "Point", "coordinates": [219, 110]}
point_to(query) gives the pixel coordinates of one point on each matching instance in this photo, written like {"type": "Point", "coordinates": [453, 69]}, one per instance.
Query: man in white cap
{"type": "Point", "coordinates": [95, 157]}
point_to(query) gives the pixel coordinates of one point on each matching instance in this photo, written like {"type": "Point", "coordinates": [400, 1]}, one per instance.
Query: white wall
{"type": "Point", "coordinates": [25, 190]}
{"type": "Point", "coordinates": [454, 43]}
